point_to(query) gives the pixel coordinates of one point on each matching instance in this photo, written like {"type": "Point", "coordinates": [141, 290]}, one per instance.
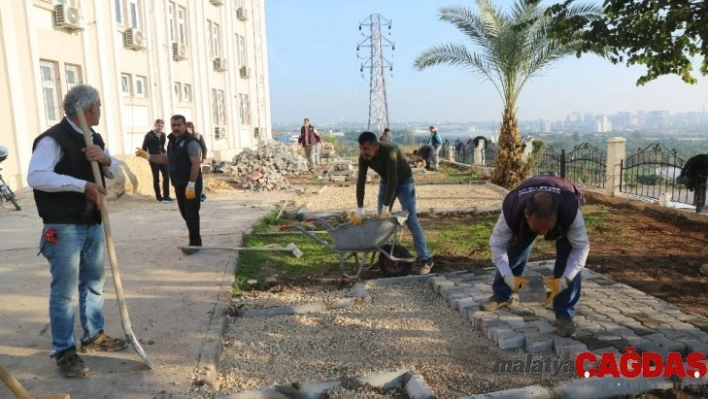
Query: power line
{"type": "Point", "coordinates": [375, 62]}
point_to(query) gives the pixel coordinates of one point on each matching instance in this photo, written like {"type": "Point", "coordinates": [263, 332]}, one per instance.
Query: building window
{"type": "Point", "coordinates": [187, 93]}
{"type": "Point", "coordinates": [118, 4]}
{"type": "Point", "coordinates": [73, 3]}
{"type": "Point", "coordinates": [73, 75]}
{"type": "Point", "coordinates": [215, 39]}
{"type": "Point", "coordinates": [126, 84]}
{"type": "Point", "coordinates": [50, 92]}
{"type": "Point", "coordinates": [222, 107]}
{"type": "Point", "coordinates": [211, 42]}
{"type": "Point", "coordinates": [134, 14]}
{"type": "Point", "coordinates": [171, 21]}
{"type": "Point", "coordinates": [242, 51]}
{"type": "Point", "coordinates": [218, 107]}
{"type": "Point", "coordinates": [140, 86]}
{"type": "Point", "coordinates": [244, 109]}
{"type": "Point", "coordinates": [181, 27]}
{"type": "Point", "coordinates": [177, 88]}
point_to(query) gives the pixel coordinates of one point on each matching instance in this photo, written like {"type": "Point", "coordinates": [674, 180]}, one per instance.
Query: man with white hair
{"type": "Point", "coordinates": [68, 201]}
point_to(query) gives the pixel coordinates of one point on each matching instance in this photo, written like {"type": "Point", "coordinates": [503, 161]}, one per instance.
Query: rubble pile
{"type": "Point", "coordinates": [266, 168]}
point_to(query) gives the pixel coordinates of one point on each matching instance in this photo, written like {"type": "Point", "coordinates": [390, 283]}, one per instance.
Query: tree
{"type": "Point", "coordinates": [511, 49]}
{"type": "Point", "coordinates": [663, 35]}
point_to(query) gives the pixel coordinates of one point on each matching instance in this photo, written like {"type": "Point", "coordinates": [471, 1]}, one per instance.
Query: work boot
{"type": "Point", "coordinates": [103, 343]}
{"type": "Point", "coordinates": [565, 327]}
{"type": "Point", "coordinates": [493, 304]}
{"type": "Point", "coordinates": [70, 364]}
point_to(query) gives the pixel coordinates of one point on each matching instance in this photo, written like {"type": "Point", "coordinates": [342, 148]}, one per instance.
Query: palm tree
{"type": "Point", "coordinates": [512, 48]}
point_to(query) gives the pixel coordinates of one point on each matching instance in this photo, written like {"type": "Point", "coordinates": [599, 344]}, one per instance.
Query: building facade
{"type": "Point", "coordinates": [150, 59]}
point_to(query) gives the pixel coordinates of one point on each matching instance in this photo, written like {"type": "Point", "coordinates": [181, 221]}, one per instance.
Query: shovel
{"type": "Point", "coordinates": [292, 248]}
{"type": "Point", "coordinates": [18, 390]}
{"type": "Point", "coordinates": [122, 306]}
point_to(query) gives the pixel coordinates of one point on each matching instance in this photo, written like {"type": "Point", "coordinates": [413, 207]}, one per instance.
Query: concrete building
{"type": "Point", "coordinates": [150, 59]}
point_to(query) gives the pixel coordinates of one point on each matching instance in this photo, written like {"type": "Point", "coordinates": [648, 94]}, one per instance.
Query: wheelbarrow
{"type": "Point", "coordinates": [360, 242]}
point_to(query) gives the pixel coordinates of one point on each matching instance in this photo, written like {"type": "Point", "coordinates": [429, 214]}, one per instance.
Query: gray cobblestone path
{"type": "Point", "coordinates": [610, 317]}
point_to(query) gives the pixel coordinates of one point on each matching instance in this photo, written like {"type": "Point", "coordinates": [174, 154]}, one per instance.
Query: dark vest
{"type": "Point", "coordinates": [569, 201]}
{"type": "Point", "coordinates": [180, 165]}
{"type": "Point", "coordinates": [310, 133]}
{"type": "Point", "coordinates": [67, 207]}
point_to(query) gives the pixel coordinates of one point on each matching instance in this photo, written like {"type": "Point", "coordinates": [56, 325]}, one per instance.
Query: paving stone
{"type": "Point", "coordinates": [694, 345]}
{"type": "Point", "coordinates": [510, 340]}
{"type": "Point", "coordinates": [436, 281]}
{"type": "Point", "coordinates": [570, 352]}
{"type": "Point", "coordinates": [478, 317]}
{"type": "Point", "coordinates": [544, 326]}
{"type": "Point", "coordinates": [512, 319]}
{"type": "Point", "coordinates": [461, 303]}
{"type": "Point", "coordinates": [468, 310]}
{"type": "Point", "coordinates": [536, 342]}
{"type": "Point", "coordinates": [560, 342]}
{"type": "Point", "coordinates": [417, 388]}
{"type": "Point", "coordinates": [491, 327]}
{"type": "Point", "coordinates": [445, 288]}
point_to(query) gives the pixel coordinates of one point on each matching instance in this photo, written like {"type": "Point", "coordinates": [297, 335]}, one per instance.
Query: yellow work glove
{"type": "Point", "coordinates": [384, 212]}
{"type": "Point", "coordinates": [190, 193]}
{"type": "Point", "coordinates": [358, 216]}
{"type": "Point", "coordinates": [139, 152]}
{"type": "Point", "coordinates": [515, 283]}
{"type": "Point", "coordinates": [556, 286]}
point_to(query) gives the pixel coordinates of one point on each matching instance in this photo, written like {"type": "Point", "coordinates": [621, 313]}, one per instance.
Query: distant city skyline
{"type": "Point", "coordinates": [314, 72]}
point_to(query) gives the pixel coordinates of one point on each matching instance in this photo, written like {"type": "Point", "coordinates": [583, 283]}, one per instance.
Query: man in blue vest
{"type": "Point", "coordinates": [545, 206]}
{"type": "Point", "coordinates": [183, 158]}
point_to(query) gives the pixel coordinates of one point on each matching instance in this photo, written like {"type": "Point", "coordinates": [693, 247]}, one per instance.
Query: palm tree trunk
{"type": "Point", "coordinates": [509, 168]}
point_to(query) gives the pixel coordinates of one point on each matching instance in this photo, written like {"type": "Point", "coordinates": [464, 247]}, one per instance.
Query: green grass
{"type": "Point", "coordinates": [464, 239]}
{"type": "Point", "coordinates": [282, 266]}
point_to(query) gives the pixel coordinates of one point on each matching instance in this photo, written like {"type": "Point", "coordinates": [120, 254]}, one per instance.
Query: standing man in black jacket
{"type": "Point", "coordinates": [154, 144]}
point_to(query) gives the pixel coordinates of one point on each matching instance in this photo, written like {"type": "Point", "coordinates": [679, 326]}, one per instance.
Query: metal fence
{"type": "Point", "coordinates": [652, 171]}
{"type": "Point", "coordinates": [585, 165]}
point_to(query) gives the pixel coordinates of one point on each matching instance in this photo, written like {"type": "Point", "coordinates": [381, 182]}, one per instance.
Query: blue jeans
{"type": "Point", "coordinates": [563, 303]}
{"type": "Point", "coordinates": [405, 191]}
{"type": "Point", "coordinates": [76, 260]}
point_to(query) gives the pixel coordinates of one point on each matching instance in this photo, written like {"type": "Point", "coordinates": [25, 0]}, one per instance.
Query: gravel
{"type": "Point", "coordinates": [403, 326]}
{"type": "Point", "coordinates": [438, 197]}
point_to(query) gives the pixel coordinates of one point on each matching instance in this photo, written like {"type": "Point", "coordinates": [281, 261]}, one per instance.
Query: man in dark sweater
{"type": "Point", "coordinates": [154, 144]}
{"type": "Point", "coordinates": [388, 161]}
{"type": "Point", "coordinates": [73, 242]}
{"type": "Point", "coordinates": [545, 206]}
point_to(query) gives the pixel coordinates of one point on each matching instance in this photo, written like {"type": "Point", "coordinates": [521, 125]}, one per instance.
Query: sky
{"type": "Point", "coordinates": [314, 71]}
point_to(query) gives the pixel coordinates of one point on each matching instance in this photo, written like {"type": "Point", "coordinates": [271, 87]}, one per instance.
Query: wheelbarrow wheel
{"type": "Point", "coordinates": [392, 268]}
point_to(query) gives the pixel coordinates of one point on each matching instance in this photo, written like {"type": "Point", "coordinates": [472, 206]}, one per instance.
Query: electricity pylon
{"type": "Point", "coordinates": [375, 62]}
